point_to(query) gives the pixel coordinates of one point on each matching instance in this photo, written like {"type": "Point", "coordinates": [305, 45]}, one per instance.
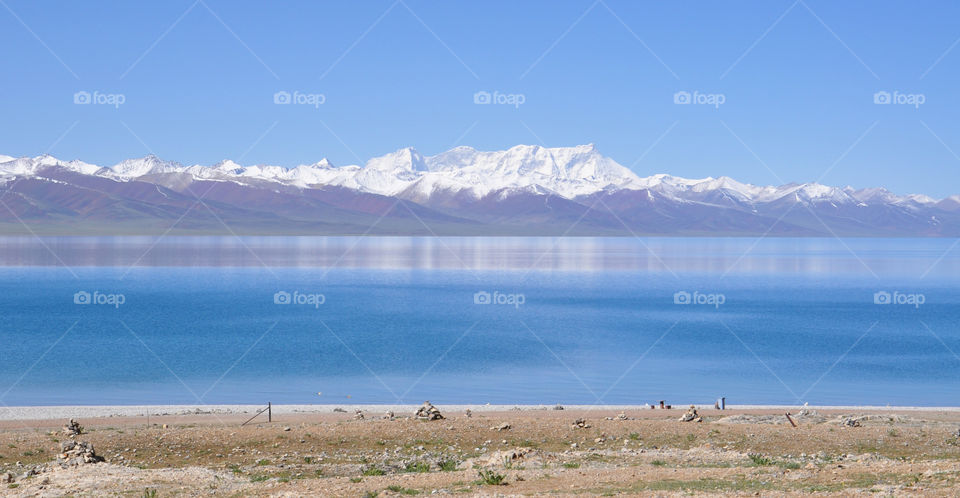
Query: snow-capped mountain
{"type": "Point", "coordinates": [526, 189]}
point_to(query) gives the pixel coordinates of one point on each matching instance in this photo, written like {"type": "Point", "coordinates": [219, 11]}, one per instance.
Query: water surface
{"type": "Point", "coordinates": [399, 321]}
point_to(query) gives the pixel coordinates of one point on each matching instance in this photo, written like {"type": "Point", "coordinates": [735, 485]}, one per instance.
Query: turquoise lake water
{"type": "Point", "coordinates": [460, 320]}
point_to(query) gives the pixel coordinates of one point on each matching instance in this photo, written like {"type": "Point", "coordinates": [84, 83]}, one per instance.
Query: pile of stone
{"type": "Point", "coordinates": [505, 458]}
{"type": "Point", "coordinates": [580, 424]}
{"type": "Point", "coordinates": [73, 453]}
{"type": "Point", "coordinates": [358, 415]}
{"type": "Point", "coordinates": [850, 422]}
{"type": "Point", "coordinates": [691, 415]}
{"type": "Point", "coordinates": [72, 429]}
{"type": "Point", "coordinates": [389, 415]}
{"type": "Point", "coordinates": [428, 412]}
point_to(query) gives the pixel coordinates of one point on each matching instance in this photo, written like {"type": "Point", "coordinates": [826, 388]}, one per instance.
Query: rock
{"type": "Point", "coordinates": [388, 415]}
{"type": "Point", "coordinates": [428, 412]}
{"type": "Point", "coordinates": [7, 478]}
{"type": "Point", "coordinates": [558, 407]}
{"type": "Point", "coordinates": [72, 429]}
{"type": "Point", "coordinates": [580, 424]}
{"type": "Point", "coordinates": [691, 415]}
{"type": "Point", "coordinates": [73, 453]}
{"type": "Point", "coordinates": [850, 422]}
{"type": "Point", "coordinates": [502, 427]}
{"type": "Point", "coordinates": [468, 413]}
{"type": "Point", "coordinates": [358, 415]}
{"type": "Point", "coordinates": [506, 457]}
{"type": "Point", "coordinates": [286, 429]}
{"type": "Point", "coordinates": [339, 410]}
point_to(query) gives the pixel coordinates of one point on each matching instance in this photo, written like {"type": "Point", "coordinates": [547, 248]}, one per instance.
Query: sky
{"type": "Point", "coordinates": [776, 91]}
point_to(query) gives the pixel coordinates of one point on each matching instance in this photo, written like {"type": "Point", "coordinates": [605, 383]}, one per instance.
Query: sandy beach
{"type": "Point", "coordinates": [480, 450]}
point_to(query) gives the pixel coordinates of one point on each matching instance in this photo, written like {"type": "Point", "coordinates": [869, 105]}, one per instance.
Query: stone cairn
{"type": "Point", "coordinates": [691, 415]}
{"type": "Point", "coordinates": [73, 453]}
{"type": "Point", "coordinates": [72, 429]}
{"type": "Point", "coordinates": [428, 412]}
{"type": "Point", "coordinates": [850, 422]}
{"type": "Point", "coordinates": [580, 424]}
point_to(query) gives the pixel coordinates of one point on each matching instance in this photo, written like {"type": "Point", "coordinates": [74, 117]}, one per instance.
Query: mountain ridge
{"type": "Point", "coordinates": [504, 192]}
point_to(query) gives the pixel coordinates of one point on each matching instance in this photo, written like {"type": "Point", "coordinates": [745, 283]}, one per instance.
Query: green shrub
{"type": "Point", "coordinates": [491, 478]}
{"type": "Point", "coordinates": [419, 467]}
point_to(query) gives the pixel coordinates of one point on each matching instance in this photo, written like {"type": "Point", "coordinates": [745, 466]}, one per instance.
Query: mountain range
{"type": "Point", "coordinates": [525, 190]}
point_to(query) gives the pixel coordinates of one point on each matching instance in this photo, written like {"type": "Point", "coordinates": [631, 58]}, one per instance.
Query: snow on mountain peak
{"type": "Point", "coordinates": [406, 159]}
{"type": "Point", "coordinates": [46, 160]}
{"type": "Point", "coordinates": [564, 171]}
{"type": "Point", "coordinates": [228, 166]}
{"type": "Point", "coordinates": [147, 165]}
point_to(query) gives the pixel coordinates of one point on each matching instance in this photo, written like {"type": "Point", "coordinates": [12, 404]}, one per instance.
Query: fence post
{"type": "Point", "coordinates": [269, 412]}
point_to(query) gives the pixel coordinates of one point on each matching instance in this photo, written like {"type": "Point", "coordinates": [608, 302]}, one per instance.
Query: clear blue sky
{"type": "Point", "coordinates": [797, 79]}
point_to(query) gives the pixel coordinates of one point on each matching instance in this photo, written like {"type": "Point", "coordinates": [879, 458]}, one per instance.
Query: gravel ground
{"type": "Point", "coordinates": [535, 451]}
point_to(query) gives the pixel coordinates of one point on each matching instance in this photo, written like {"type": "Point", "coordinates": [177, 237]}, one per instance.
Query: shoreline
{"type": "Point", "coordinates": [522, 450]}
{"type": "Point", "coordinates": [56, 412]}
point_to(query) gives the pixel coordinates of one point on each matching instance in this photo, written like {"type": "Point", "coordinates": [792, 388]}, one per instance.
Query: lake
{"type": "Point", "coordinates": [188, 320]}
